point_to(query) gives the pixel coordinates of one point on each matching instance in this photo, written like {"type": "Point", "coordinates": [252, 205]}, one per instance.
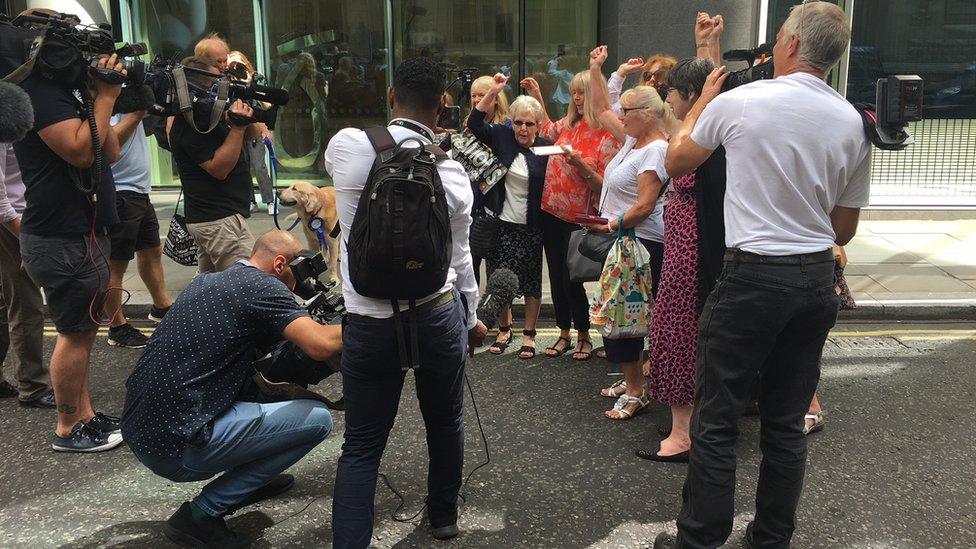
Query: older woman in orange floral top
{"type": "Point", "coordinates": [573, 180]}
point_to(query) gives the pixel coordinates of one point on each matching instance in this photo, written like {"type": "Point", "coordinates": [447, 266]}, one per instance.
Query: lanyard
{"type": "Point", "coordinates": [414, 127]}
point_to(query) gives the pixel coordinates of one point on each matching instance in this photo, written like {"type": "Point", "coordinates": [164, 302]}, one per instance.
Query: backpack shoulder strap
{"type": "Point", "coordinates": [437, 151]}
{"type": "Point", "coordinates": [380, 138]}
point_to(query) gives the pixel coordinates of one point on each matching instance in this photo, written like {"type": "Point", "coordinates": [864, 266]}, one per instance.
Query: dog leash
{"type": "Point", "coordinates": [274, 166]}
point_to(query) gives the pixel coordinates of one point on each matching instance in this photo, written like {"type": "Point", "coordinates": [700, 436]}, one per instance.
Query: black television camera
{"type": "Point", "coordinates": [285, 372]}
{"type": "Point", "coordinates": [898, 101]}
{"type": "Point", "coordinates": [323, 301]}
{"type": "Point", "coordinates": [65, 51]}
{"type": "Point", "coordinates": [763, 70]}
{"type": "Point", "coordinates": [171, 89]}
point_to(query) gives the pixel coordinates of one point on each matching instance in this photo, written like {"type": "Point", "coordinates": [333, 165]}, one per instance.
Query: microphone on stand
{"type": "Point", "coordinates": [499, 293]}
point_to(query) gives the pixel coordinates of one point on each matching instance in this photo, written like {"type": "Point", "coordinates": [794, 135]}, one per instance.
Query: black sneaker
{"type": "Point", "coordinates": [126, 336]}
{"type": "Point", "coordinates": [7, 390]}
{"type": "Point", "coordinates": [46, 400]}
{"type": "Point", "coordinates": [277, 486]}
{"type": "Point", "coordinates": [85, 438]}
{"type": "Point", "coordinates": [749, 539]}
{"type": "Point", "coordinates": [184, 529]}
{"type": "Point", "coordinates": [156, 314]}
{"type": "Point", "coordinates": [104, 424]}
{"type": "Point", "coordinates": [665, 540]}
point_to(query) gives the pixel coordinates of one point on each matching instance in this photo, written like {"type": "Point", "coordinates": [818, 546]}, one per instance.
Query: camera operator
{"type": "Point", "coordinates": [63, 240]}
{"type": "Point", "coordinates": [215, 176]}
{"type": "Point", "coordinates": [798, 174]}
{"type": "Point", "coordinates": [183, 417]}
{"type": "Point", "coordinates": [372, 377]}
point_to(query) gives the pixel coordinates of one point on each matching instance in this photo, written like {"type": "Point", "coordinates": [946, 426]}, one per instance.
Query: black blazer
{"type": "Point", "coordinates": [501, 140]}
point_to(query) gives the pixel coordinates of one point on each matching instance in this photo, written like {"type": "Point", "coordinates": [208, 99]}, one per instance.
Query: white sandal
{"type": "Point", "coordinates": [611, 391]}
{"type": "Point", "coordinates": [624, 401]}
{"type": "Point", "coordinates": [818, 423]}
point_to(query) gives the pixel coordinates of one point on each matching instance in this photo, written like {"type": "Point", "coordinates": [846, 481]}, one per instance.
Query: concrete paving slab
{"type": "Point", "coordinates": [875, 249]}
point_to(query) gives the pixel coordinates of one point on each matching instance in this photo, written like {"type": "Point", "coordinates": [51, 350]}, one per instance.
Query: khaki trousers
{"type": "Point", "coordinates": [21, 321]}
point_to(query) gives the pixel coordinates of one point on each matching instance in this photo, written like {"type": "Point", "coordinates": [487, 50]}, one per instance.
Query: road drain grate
{"type": "Point", "coordinates": [872, 343]}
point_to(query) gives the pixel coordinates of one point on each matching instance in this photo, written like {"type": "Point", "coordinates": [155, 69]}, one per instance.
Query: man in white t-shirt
{"type": "Point", "coordinates": [798, 174]}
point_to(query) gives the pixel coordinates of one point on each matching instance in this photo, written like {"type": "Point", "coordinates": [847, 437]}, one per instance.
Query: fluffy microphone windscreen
{"type": "Point", "coordinates": [16, 113]}
{"type": "Point", "coordinates": [499, 293]}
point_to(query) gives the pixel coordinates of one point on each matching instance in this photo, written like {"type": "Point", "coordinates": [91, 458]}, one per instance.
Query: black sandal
{"type": "Point", "coordinates": [527, 348]}
{"type": "Point", "coordinates": [498, 347]}
{"type": "Point", "coordinates": [581, 352]}
{"type": "Point", "coordinates": [560, 352]}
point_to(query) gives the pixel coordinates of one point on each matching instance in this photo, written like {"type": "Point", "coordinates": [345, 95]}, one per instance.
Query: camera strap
{"type": "Point", "coordinates": [186, 103]}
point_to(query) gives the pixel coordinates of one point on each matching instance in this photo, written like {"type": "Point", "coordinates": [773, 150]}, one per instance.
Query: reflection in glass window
{"type": "Point", "coordinates": [559, 35]}
{"type": "Point", "coordinates": [173, 27]}
{"type": "Point", "coordinates": [332, 59]}
{"type": "Point", "coordinates": [460, 33]}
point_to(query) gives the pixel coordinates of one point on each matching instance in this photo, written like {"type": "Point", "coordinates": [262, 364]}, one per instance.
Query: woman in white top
{"type": "Point", "coordinates": [632, 185]}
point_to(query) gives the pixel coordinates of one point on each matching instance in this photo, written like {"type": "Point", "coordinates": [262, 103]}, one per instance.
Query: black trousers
{"type": "Point", "coordinates": [569, 299]}
{"type": "Point", "coordinates": [765, 320]}
{"type": "Point", "coordinates": [371, 384]}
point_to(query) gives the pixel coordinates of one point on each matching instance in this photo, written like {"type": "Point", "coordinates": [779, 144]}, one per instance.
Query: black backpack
{"type": "Point", "coordinates": [399, 246]}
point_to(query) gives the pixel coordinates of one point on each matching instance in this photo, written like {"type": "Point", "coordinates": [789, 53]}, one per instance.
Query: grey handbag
{"type": "Point", "coordinates": [582, 268]}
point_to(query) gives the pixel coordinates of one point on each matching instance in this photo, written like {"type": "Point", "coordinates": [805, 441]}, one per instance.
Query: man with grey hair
{"type": "Point", "coordinates": [185, 417]}
{"type": "Point", "coordinates": [798, 167]}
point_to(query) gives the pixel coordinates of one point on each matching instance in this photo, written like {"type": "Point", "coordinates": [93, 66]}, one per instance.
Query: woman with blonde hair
{"type": "Point", "coordinates": [497, 112]}
{"type": "Point", "coordinates": [255, 147]}
{"type": "Point", "coordinates": [572, 180]}
{"type": "Point", "coordinates": [631, 200]}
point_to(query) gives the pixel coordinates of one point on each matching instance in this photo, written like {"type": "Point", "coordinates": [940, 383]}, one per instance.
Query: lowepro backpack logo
{"type": "Point", "coordinates": [414, 265]}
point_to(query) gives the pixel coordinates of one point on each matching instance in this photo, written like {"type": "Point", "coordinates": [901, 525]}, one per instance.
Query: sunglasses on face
{"type": "Point", "coordinates": [526, 123]}
{"type": "Point", "coordinates": [626, 110]}
{"type": "Point", "coordinates": [658, 75]}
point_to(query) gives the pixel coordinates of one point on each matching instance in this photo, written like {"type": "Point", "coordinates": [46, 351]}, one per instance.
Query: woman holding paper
{"type": "Point", "coordinates": [572, 187]}
{"type": "Point", "coordinates": [516, 203]}
{"type": "Point", "coordinates": [630, 200]}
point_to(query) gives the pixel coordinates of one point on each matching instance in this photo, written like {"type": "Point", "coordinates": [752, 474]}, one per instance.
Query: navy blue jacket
{"type": "Point", "coordinates": [501, 140]}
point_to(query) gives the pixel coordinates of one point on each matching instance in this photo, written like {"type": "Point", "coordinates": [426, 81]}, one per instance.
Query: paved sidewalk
{"type": "Point", "coordinates": [898, 269]}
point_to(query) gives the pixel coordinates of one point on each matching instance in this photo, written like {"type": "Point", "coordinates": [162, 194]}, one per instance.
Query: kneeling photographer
{"type": "Point", "coordinates": [215, 174]}
{"type": "Point", "coordinates": [185, 416]}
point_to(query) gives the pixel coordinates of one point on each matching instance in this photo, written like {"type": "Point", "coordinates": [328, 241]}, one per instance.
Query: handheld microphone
{"type": "Point", "coordinates": [134, 98]}
{"type": "Point", "coordinates": [499, 293]}
{"type": "Point", "coordinates": [16, 113]}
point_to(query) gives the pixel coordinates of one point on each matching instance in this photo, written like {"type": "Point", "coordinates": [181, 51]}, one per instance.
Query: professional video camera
{"type": "Point", "coordinates": [174, 90]}
{"type": "Point", "coordinates": [450, 117]}
{"type": "Point", "coordinates": [760, 67]}
{"type": "Point", "coordinates": [285, 372]}
{"type": "Point", "coordinates": [65, 51]}
{"type": "Point", "coordinates": [323, 301]}
{"type": "Point", "coordinates": [898, 102]}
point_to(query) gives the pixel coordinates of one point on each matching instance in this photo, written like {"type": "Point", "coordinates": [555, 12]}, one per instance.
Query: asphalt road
{"type": "Point", "coordinates": [894, 467]}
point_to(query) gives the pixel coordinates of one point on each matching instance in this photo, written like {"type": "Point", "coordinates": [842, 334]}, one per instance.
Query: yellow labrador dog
{"type": "Point", "coordinates": [308, 201]}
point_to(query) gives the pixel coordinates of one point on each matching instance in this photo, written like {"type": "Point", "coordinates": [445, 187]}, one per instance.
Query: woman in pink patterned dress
{"type": "Point", "coordinates": [674, 326]}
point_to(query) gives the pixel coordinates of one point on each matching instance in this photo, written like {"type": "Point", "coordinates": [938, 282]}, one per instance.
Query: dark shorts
{"type": "Point", "coordinates": [626, 349]}
{"type": "Point", "coordinates": [138, 227]}
{"type": "Point", "coordinates": [73, 282]}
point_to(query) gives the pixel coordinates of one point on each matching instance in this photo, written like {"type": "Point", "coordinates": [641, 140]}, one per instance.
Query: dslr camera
{"type": "Point", "coordinates": [763, 70]}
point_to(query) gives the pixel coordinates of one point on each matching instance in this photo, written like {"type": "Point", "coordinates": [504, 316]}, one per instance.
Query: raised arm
{"type": "Point", "coordinates": [476, 121]}
{"type": "Point", "coordinates": [531, 87]}
{"type": "Point", "coordinates": [615, 84]}
{"type": "Point", "coordinates": [684, 155]}
{"type": "Point", "coordinates": [601, 99]}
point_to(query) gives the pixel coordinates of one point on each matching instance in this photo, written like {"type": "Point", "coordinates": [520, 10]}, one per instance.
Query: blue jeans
{"type": "Point", "coordinates": [371, 384]}
{"type": "Point", "coordinates": [763, 325]}
{"type": "Point", "coordinates": [251, 444]}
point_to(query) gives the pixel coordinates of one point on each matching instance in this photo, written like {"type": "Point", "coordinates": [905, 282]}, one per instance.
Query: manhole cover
{"type": "Point", "coordinates": [873, 343]}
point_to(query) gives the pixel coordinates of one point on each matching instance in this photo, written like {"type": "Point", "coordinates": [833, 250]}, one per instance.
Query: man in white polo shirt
{"type": "Point", "coordinates": [798, 174]}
